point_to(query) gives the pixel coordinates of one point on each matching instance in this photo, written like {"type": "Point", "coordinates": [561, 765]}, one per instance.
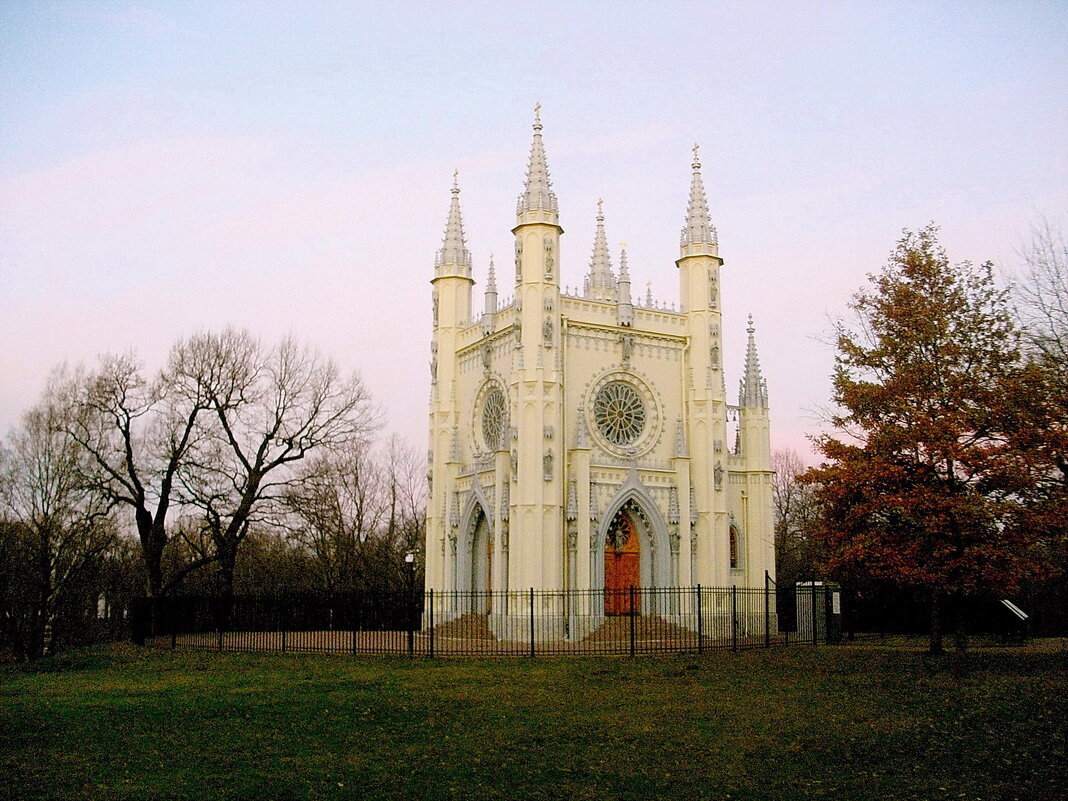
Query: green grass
{"type": "Point", "coordinates": [853, 722]}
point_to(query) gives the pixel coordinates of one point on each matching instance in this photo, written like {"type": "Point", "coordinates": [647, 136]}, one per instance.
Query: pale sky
{"type": "Point", "coordinates": [168, 168]}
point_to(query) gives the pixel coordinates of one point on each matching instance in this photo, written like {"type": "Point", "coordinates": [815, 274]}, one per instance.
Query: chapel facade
{"type": "Point", "coordinates": [584, 441]}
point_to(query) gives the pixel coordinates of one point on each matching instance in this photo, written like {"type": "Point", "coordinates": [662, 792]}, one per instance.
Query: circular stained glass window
{"type": "Point", "coordinates": [494, 419]}
{"type": "Point", "coordinates": [619, 413]}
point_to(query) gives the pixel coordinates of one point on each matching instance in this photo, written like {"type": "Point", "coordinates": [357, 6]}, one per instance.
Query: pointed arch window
{"type": "Point", "coordinates": [732, 534]}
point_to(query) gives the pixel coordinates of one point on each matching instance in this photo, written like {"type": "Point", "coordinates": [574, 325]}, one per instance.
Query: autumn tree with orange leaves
{"type": "Point", "coordinates": [922, 485]}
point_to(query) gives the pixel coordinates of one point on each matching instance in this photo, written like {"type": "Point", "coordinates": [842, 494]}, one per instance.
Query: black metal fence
{"type": "Point", "coordinates": [519, 623]}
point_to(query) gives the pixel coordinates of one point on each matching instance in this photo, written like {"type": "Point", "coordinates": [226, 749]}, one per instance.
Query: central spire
{"type": "Point", "coordinates": [601, 281]}
{"type": "Point", "coordinates": [537, 203]}
{"type": "Point", "coordinates": [698, 233]}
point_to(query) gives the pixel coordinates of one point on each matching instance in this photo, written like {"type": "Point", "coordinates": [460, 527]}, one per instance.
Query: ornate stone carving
{"type": "Point", "coordinates": [680, 438]}
{"type": "Point", "coordinates": [547, 464]}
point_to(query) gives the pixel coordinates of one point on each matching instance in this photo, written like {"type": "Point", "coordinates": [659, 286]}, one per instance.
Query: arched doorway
{"type": "Point", "coordinates": [481, 564]}
{"type": "Point", "coordinates": [622, 564]}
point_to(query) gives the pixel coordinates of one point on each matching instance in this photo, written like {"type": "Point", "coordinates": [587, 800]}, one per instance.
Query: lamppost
{"type": "Point", "coordinates": [409, 561]}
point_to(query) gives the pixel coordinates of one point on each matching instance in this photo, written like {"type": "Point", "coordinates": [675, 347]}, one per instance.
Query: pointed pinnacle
{"type": "Point", "coordinates": [600, 281]}
{"type": "Point", "coordinates": [454, 250]}
{"type": "Point", "coordinates": [537, 192]}
{"type": "Point", "coordinates": [698, 229]}
{"type": "Point", "coordinates": [752, 390]}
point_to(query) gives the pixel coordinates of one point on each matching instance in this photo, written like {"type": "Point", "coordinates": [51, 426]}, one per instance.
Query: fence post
{"type": "Point", "coordinates": [173, 622]}
{"type": "Point", "coordinates": [411, 620]}
{"type": "Point", "coordinates": [700, 624]}
{"type": "Point", "coordinates": [531, 622]}
{"type": "Point", "coordinates": [632, 620]}
{"type": "Point", "coordinates": [767, 618]}
{"type": "Point", "coordinates": [352, 620]}
{"type": "Point", "coordinates": [219, 623]}
{"type": "Point", "coordinates": [815, 617]}
{"type": "Point", "coordinates": [734, 618]}
{"type": "Point", "coordinates": [431, 622]}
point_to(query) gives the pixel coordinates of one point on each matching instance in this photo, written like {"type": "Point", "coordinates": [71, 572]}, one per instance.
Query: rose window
{"type": "Point", "coordinates": [494, 420]}
{"type": "Point", "coordinates": [619, 413]}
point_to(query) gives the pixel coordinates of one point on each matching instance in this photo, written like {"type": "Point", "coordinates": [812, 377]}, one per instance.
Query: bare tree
{"type": "Point", "coordinates": [269, 408]}
{"type": "Point", "coordinates": [136, 433]}
{"type": "Point", "coordinates": [406, 534]}
{"type": "Point", "coordinates": [359, 511]}
{"type": "Point", "coordinates": [797, 557]}
{"type": "Point", "coordinates": [1043, 297]}
{"type": "Point", "coordinates": [338, 506]}
{"type": "Point", "coordinates": [58, 527]}
{"type": "Point", "coordinates": [1039, 411]}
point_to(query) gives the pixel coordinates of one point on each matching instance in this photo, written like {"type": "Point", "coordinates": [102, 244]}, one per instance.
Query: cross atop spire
{"type": "Point", "coordinates": [537, 203]}
{"type": "Point", "coordinates": [752, 389]}
{"type": "Point", "coordinates": [698, 230]}
{"type": "Point", "coordinates": [600, 281]}
{"type": "Point", "coordinates": [454, 252]}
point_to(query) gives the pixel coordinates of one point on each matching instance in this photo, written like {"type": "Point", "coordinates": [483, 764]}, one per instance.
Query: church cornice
{"type": "Point", "coordinates": [581, 330]}
{"type": "Point", "coordinates": [492, 339]}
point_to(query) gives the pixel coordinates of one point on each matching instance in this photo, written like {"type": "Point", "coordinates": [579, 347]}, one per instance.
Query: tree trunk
{"type": "Point", "coordinates": [227, 563]}
{"type": "Point", "coordinates": [935, 647]}
{"type": "Point", "coordinates": [960, 638]}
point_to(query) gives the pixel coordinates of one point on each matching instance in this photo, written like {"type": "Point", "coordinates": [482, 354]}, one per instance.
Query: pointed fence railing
{"type": "Point", "coordinates": [522, 623]}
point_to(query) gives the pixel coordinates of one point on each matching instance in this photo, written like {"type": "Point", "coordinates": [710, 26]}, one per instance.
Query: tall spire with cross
{"type": "Point", "coordinates": [698, 229]}
{"type": "Point", "coordinates": [537, 203]}
{"type": "Point", "coordinates": [752, 389]}
{"type": "Point", "coordinates": [454, 252]}
{"type": "Point", "coordinates": [600, 281]}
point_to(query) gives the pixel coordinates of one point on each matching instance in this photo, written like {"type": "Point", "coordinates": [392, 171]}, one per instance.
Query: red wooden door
{"type": "Point", "coordinates": [621, 569]}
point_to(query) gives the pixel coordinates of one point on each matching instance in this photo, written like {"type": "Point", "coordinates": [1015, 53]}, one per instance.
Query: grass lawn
{"type": "Point", "coordinates": [850, 722]}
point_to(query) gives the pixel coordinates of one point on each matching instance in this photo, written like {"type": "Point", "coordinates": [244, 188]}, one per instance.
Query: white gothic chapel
{"type": "Point", "coordinates": [585, 442]}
